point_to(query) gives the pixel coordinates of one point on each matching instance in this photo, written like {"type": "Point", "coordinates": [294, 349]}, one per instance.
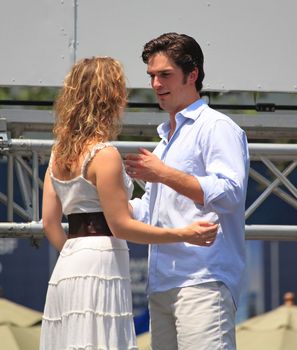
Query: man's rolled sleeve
{"type": "Point", "coordinates": [220, 195]}
{"type": "Point", "coordinates": [226, 164]}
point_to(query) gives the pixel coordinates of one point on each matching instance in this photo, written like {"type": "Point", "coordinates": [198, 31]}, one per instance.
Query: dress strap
{"type": "Point", "coordinates": [92, 153]}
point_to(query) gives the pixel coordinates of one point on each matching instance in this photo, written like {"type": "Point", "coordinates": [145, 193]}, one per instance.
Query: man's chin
{"type": "Point", "coordinates": [162, 105]}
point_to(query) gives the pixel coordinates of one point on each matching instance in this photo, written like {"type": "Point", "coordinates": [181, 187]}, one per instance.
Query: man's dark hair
{"type": "Point", "coordinates": [182, 49]}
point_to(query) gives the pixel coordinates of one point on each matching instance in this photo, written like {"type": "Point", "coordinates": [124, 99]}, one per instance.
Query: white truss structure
{"type": "Point", "coordinates": [18, 151]}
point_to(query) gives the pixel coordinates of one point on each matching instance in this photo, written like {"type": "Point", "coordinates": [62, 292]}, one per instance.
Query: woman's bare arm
{"type": "Point", "coordinates": [52, 215]}
{"type": "Point", "coordinates": [107, 167]}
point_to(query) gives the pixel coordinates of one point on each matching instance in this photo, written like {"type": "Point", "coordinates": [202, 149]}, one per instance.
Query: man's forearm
{"type": "Point", "coordinates": [148, 167]}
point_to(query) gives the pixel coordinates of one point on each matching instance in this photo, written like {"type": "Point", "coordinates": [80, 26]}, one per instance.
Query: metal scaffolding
{"type": "Point", "coordinates": [24, 157]}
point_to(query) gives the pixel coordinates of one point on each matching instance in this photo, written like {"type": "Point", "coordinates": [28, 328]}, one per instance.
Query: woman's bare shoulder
{"type": "Point", "coordinates": [107, 152]}
{"type": "Point", "coordinates": [106, 160]}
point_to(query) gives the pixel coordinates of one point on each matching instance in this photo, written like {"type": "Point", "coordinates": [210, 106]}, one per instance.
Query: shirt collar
{"type": "Point", "coordinates": [192, 112]}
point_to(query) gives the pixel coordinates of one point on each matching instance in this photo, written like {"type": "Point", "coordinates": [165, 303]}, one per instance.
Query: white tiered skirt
{"type": "Point", "coordinates": [88, 303]}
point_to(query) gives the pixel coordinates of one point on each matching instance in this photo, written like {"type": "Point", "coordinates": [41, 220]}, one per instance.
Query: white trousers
{"type": "Point", "coordinates": [200, 317]}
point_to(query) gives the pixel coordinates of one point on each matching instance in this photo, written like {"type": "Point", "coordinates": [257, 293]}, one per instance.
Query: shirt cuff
{"type": "Point", "coordinates": [210, 187]}
{"type": "Point", "coordinates": [139, 211]}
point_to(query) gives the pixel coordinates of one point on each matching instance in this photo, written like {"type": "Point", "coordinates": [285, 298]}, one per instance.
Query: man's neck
{"type": "Point", "coordinates": [172, 115]}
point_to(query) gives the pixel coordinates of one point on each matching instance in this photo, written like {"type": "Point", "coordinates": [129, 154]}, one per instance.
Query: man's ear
{"type": "Point", "coordinates": [193, 76]}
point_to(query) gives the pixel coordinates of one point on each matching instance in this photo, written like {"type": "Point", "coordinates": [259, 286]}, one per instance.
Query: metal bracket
{"type": "Point", "coordinates": [265, 107]}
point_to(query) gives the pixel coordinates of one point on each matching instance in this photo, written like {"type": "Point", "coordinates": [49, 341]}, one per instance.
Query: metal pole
{"type": "Point", "coordinates": [252, 232]}
{"type": "Point", "coordinates": [24, 185]}
{"type": "Point", "coordinates": [271, 232]}
{"type": "Point", "coordinates": [10, 187]}
{"type": "Point", "coordinates": [28, 170]}
{"type": "Point", "coordinates": [274, 274]}
{"type": "Point", "coordinates": [16, 208]}
{"type": "Point", "coordinates": [24, 230]}
{"type": "Point", "coordinates": [268, 190]}
{"type": "Point", "coordinates": [277, 191]}
{"type": "Point", "coordinates": [35, 188]}
{"type": "Point", "coordinates": [280, 175]}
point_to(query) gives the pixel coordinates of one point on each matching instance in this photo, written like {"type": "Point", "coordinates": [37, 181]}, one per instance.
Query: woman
{"type": "Point", "coordinates": [88, 303]}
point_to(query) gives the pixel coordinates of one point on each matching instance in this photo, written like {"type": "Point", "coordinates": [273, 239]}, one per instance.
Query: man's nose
{"type": "Point", "coordinates": [156, 83]}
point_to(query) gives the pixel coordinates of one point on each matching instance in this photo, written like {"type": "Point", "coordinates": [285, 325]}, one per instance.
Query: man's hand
{"type": "Point", "coordinates": [148, 167]}
{"type": "Point", "coordinates": [145, 166]}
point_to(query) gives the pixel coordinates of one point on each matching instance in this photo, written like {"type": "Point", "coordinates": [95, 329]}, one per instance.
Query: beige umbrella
{"type": "Point", "coordinates": [19, 326]}
{"type": "Point", "coordinates": [144, 341]}
{"type": "Point", "coordinates": [274, 330]}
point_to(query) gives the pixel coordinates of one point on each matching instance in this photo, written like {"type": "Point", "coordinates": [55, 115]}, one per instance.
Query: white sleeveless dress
{"type": "Point", "coordinates": [89, 302]}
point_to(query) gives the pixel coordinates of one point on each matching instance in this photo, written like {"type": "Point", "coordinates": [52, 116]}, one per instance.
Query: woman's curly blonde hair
{"type": "Point", "coordinates": [88, 107]}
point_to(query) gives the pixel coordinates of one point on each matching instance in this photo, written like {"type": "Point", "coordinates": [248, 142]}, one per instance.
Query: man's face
{"type": "Point", "coordinates": [174, 91]}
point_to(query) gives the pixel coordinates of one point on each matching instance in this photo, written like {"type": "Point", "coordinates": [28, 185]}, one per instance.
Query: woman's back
{"type": "Point", "coordinates": [76, 189]}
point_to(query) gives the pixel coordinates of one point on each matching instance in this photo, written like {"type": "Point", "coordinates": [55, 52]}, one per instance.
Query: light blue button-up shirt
{"type": "Point", "coordinates": [210, 146]}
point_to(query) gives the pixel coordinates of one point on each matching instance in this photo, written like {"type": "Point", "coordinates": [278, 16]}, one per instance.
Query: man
{"type": "Point", "coordinates": [198, 171]}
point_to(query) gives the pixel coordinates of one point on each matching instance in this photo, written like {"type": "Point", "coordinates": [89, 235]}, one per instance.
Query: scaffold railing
{"type": "Point", "coordinates": [24, 156]}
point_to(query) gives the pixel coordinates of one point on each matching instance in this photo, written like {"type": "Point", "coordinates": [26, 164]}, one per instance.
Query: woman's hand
{"type": "Point", "coordinates": [202, 233]}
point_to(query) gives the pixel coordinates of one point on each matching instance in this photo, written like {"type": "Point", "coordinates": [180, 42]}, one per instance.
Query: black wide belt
{"type": "Point", "coordinates": [87, 224]}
